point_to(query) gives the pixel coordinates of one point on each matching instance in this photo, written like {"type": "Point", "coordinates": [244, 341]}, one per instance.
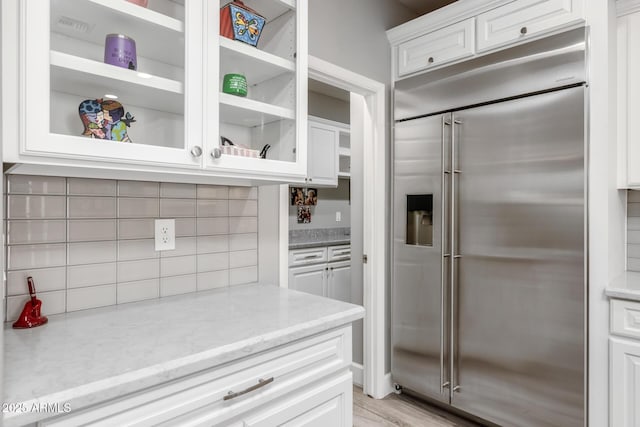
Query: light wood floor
{"type": "Point", "coordinates": [400, 410]}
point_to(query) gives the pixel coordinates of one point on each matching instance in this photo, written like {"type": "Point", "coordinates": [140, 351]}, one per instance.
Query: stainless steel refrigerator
{"type": "Point", "coordinates": [489, 228]}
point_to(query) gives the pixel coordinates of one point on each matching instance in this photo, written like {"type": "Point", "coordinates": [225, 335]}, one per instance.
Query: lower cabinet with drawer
{"type": "Point", "coordinates": [624, 359]}
{"type": "Point", "coordinates": [327, 274]}
{"type": "Point", "coordinates": [305, 383]}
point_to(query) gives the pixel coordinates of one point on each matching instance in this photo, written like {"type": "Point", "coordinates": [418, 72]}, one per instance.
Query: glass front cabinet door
{"type": "Point", "coordinates": [154, 83]}
{"type": "Point", "coordinates": [260, 45]}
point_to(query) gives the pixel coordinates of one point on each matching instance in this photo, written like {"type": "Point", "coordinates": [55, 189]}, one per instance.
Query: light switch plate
{"type": "Point", "coordinates": [338, 216]}
{"type": "Point", "coordinates": [165, 234]}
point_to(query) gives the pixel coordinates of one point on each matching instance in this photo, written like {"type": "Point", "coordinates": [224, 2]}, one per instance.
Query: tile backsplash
{"type": "Point", "coordinates": [90, 242]}
{"type": "Point", "coordinates": [633, 230]}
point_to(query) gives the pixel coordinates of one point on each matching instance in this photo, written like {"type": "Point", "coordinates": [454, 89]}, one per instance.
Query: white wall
{"type": "Point", "coordinates": [328, 107]}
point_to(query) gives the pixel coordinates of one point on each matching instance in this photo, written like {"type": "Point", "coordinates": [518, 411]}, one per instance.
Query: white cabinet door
{"type": "Point", "coordinates": [339, 281]}
{"type": "Point", "coordinates": [625, 382]}
{"type": "Point", "coordinates": [628, 99]}
{"type": "Point", "coordinates": [328, 404]}
{"type": "Point", "coordinates": [323, 154]}
{"type": "Point", "coordinates": [311, 279]}
{"type": "Point", "coordinates": [525, 18]}
{"type": "Point", "coordinates": [76, 107]}
{"type": "Point", "coordinates": [437, 48]}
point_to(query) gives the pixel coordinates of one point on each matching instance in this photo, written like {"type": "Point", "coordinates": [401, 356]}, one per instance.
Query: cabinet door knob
{"type": "Point", "coordinates": [523, 30]}
{"type": "Point", "coordinates": [430, 60]}
{"type": "Point", "coordinates": [196, 151]}
{"type": "Point", "coordinates": [216, 153]}
{"type": "Point", "coordinates": [310, 179]}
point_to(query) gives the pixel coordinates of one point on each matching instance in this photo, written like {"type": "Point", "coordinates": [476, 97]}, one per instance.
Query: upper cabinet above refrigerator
{"type": "Point", "coordinates": [473, 28]}
{"type": "Point", "coordinates": [140, 86]}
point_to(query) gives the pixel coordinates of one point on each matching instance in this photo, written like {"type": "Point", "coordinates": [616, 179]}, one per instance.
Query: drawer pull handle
{"type": "Point", "coordinates": [523, 30]}
{"type": "Point", "coordinates": [430, 60]}
{"type": "Point", "coordinates": [310, 256]}
{"type": "Point", "coordinates": [261, 383]}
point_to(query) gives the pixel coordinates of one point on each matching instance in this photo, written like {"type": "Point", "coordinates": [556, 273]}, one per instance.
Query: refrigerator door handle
{"type": "Point", "coordinates": [446, 172]}
{"type": "Point", "coordinates": [454, 387]}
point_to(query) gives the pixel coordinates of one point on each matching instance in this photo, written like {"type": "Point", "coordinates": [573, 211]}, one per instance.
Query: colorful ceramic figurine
{"type": "Point", "coordinates": [105, 119]}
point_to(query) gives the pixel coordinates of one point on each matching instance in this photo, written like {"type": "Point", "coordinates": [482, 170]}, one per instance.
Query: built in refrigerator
{"type": "Point", "coordinates": [489, 227]}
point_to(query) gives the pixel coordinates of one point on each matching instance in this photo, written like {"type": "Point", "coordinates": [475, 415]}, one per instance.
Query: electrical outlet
{"type": "Point", "coordinates": [338, 216]}
{"type": "Point", "coordinates": [165, 234]}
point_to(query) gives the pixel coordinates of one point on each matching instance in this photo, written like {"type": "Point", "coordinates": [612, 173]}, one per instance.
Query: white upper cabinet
{"type": "Point", "coordinates": [525, 18]}
{"type": "Point", "coordinates": [271, 118]}
{"type": "Point", "coordinates": [437, 48]}
{"type": "Point", "coordinates": [469, 29]}
{"type": "Point", "coordinates": [323, 154]}
{"type": "Point", "coordinates": [628, 98]}
{"type": "Point", "coordinates": [66, 77]}
{"type": "Point", "coordinates": [59, 73]}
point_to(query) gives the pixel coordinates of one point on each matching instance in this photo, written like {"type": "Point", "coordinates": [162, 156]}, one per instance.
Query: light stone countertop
{"type": "Point", "coordinates": [625, 286]}
{"type": "Point", "coordinates": [86, 357]}
{"type": "Point", "coordinates": [316, 237]}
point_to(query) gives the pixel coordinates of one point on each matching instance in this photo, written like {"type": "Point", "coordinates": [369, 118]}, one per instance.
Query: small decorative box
{"type": "Point", "coordinates": [238, 22]}
{"type": "Point", "coordinates": [234, 150]}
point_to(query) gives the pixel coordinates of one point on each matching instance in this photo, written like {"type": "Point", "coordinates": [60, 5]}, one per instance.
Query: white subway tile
{"type": "Point", "coordinates": [213, 208]}
{"type": "Point", "coordinates": [633, 264]}
{"type": "Point", "coordinates": [185, 227]}
{"type": "Point", "coordinates": [37, 256]}
{"type": "Point", "coordinates": [36, 207]}
{"type": "Point", "coordinates": [213, 279]}
{"type": "Point", "coordinates": [129, 250]}
{"type": "Point", "coordinates": [240, 276]}
{"type": "Point", "coordinates": [247, 224]}
{"type": "Point", "coordinates": [633, 236]}
{"type": "Point", "coordinates": [131, 271]}
{"type": "Point", "coordinates": [633, 223]}
{"type": "Point", "coordinates": [36, 231]}
{"type": "Point", "coordinates": [633, 251]}
{"type": "Point", "coordinates": [213, 262]}
{"type": "Point", "coordinates": [243, 259]}
{"type": "Point", "coordinates": [79, 276]}
{"type": "Point", "coordinates": [633, 209]}
{"type": "Point", "coordinates": [212, 191]}
{"type": "Point", "coordinates": [243, 207]}
{"type": "Point", "coordinates": [92, 252]}
{"type": "Point", "coordinates": [92, 207]}
{"type": "Point", "coordinates": [27, 184]}
{"type": "Point", "coordinates": [45, 279]}
{"type": "Point", "coordinates": [210, 244]}
{"type": "Point", "coordinates": [52, 303]}
{"type": "Point", "coordinates": [91, 187]}
{"type": "Point", "coordinates": [90, 230]}
{"type": "Point", "coordinates": [184, 246]}
{"type": "Point", "coordinates": [240, 242]}
{"type": "Point", "coordinates": [138, 291]}
{"type": "Point", "coordinates": [138, 189]}
{"type": "Point", "coordinates": [136, 229]}
{"type": "Point", "coordinates": [137, 208]}
{"type": "Point", "coordinates": [212, 226]}
{"type": "Point", "coordinates": [633, 196]}
{"type": "Point", "coordinates": [177, 191]}
{"type": "Point", "coordinates": [243, 193]}
{"type": "Point", "coordinates": [178, 285]}
{"type": "Point", "coordinates": [177, 266]}
{"type": "Point", "coordinates": [93, 297]}
{"type": "Point", "coordinates": [177, 208]}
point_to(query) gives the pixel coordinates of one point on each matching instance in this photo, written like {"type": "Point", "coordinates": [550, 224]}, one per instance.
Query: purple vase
{"type": "Point", "coordinates": [120, 50]}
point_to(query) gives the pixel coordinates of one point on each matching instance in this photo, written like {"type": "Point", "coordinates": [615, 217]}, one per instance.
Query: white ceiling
{"type": "Point", "coordinates": [424, 6]}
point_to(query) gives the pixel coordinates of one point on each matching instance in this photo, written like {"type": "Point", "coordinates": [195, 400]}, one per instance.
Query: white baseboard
{"type": "Point", "coordinates": [358, 373]}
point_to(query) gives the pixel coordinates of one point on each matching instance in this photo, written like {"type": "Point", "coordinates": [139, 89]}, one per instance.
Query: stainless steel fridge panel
{"type": "Point", "coordinates": [417, 360]}
{"type": "Point", "coordinates": [520, 301]}
{"type": "Point", "coordinates": [543, 64]}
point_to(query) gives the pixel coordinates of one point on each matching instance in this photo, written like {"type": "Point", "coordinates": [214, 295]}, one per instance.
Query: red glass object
{"type": "Point", "coordinates": [30, 316]}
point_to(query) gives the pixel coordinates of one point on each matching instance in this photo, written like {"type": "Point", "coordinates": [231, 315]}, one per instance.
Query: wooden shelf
{"type": "Point", "coordinates": [345, 152]}
{"type": "Point", "coordinates": [92, 79]}
{"type": "Point", "coordinates": [256, 65]}
{"type": "Point", "coordinates": [157, 36]}
{"type": "Point", "coordinates": [249, 113]}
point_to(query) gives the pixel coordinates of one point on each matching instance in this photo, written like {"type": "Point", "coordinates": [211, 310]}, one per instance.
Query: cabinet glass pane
{"type": "Point", "coordinates": [264, 54]}
{"type": "Point", "coordinates": [152, 94]}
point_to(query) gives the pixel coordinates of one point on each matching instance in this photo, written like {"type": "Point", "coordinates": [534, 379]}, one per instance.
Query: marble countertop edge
{"type": "Point", "coordinates": [625, 286]}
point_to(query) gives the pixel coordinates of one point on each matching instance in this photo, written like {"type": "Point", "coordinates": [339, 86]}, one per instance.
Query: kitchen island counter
{"type": "Point", "coordinates": [84, 358]}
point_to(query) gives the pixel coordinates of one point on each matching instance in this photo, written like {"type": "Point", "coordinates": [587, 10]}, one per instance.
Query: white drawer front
{"type": "Point", "coordinates": [525, 18]}
{"type": "Point", "coordinates": [307, 256]}
{"type": "Point", "coordinates": [199, 398]}
{"type": "Point", "coordinates": [339, 253]}
{"type": "Point", "coordinates": [437, 48]}
{"type": "Point", "coordinates": [625, 318]}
